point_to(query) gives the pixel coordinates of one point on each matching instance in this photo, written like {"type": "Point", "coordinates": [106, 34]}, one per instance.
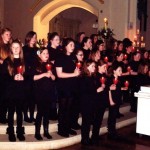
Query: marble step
{"type": "Point", "coordinates": [30, 128]}
{"type": "Point", "coordinates": [58, 142]}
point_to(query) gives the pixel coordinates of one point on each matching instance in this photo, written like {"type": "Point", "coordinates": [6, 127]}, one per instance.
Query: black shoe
{"type": "Point", "coordinates": [86, 142]}
{"type": "Point", "coordinates": [21, 137]}
{"type": "Point", "coordinates": [32, 119]}
{"type": "Point", "coordinates": [3, 121]}
{"type": "Point", "coordinates": [114, 137]}
{"type": "Point", "coordinates": [26, 119]}
{"type": "Point", "coordinates": [47, 135]}
{"type": "Point", "coordinates": [38, 137]}
{"type": "Point", "coordinates": [76, 126]}
{"type": "Point", "coordinates": [72, 132]}
{"type": "Point", "coordinates": [119, 115]}
{"type": "Point", "coordinates": [12, 137]}
{"type": "Point", "coordinates": [63, 134]}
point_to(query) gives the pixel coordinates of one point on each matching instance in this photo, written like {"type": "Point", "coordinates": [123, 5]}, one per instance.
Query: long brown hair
{"type": "Point", "coordinates": [2, 32]}
{"type": "Point", "coordinates": [85, 71]}
{"type": "Point", "coordinates": [11, 57]}
{"type": "Point", "coordinates": [29, 36]}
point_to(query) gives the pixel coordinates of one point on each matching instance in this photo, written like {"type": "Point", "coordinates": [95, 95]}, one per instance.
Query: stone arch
{"type": "Point", "coordinates": [50, 10]}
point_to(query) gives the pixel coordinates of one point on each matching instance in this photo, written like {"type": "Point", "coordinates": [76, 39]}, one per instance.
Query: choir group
{"type": "Point", "coordinates": [66, 78]}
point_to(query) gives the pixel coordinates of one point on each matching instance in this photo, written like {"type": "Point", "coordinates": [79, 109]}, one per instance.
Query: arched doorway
{"type": "Point", "coordinates": [45, 14]}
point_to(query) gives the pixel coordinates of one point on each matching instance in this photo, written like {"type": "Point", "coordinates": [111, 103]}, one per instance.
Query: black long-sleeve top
{"type": "Point", "coordinates": [116, 94]}
{"type": "Point", "coordinates": [88, 88]}
{"type": "Point", "coordinates": [103, 96]}
{"type": "Point", "coordinates": [44, 88]}
{"type": "Point", "coordinates": [13, 89]}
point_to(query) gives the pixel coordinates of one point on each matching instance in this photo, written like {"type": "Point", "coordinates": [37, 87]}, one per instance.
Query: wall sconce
{"type": "Point", "coordinates": [95, 25]}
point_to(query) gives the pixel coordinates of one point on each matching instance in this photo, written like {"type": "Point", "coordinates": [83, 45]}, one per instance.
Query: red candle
{"type": "Point", "coordinates": [102, 80]}
{"type": "Point", "coordinates": [125, 56]}
{"type": "Point", "coordinates": [126, 84]}
{"type": "Point", "coordinates": [115, 81]}
{"type": "Point", "coordinates": [129, 69]}
{"type": "Point", "coordinates": [20, 69]}
{"type": "Point", "coordinates": [106, 59]}
{"type": "Point", "coordinates": [78, 65]}
{"type": "Point", "coordinates": [48, 67]}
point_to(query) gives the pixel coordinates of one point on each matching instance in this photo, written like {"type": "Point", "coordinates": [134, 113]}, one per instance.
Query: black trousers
{"type": "Point", "coordinates": [113, 110]}
{"type": "Point", "coordinates": [98, 118]}
{"type": "Point", "coordinates": [75, 110]}
{"type": "Point", "coordinates": [29, 104]}
{"type": "Point", "coordinates": [64, 114]}
{"type": "Point", "coordinates": [87, 112]}
{"type": "Point", "coordinates": [42, 112]}
{"type": "Point", "coordinates": [15, 106]}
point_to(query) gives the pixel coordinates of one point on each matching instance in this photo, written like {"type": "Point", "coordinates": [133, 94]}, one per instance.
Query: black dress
{"type": "Point", "coordinates": [66, 90]}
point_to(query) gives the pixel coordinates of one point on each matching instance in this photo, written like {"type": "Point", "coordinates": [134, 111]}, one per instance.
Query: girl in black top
{"type": "Point", "coordinates": [89, 92]}
{"type": "Point", "coordinates": [102, 101]}
{"type": "Point", "coordinates": [30, 56]}
{"type": "Point", "coordinates": [134, 64]}
{"type": "Point", "coordinates": [5, 40]}
{"type": "Point", "coordinates": [43, 91]}
{"type": "Point", "coordinates": [66, 72]}
{"type": "Point", "coordinates": [115, 95]}
{"type": "Point", "coordinates": [54, 42]}
{"type": "Point", "coordinates": [86, 47]}
{"type": "Point", "coordinates": [14, 78]}
{"type": "Point", "coordinates": [76, 103]}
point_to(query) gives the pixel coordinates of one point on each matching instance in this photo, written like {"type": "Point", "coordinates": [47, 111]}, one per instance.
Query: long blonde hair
{"type": "Point", "coordinates": [11, 57]}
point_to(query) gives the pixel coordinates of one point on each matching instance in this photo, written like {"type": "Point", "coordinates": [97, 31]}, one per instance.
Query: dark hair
{"type": "Point", "coordinates": [141, 68]}
{"type": "Point", "coordinates": [97, 44]}
{"type": "Point", "coordinates": [2, 32]}
{"type": "Point", "coordinates": [52, 35]}
{"type": "Point", "coordinates": [116, 66]}
{"type": "Point", "coordinates": [66, 41]}
{"type": "Point", "coordinates": [29, 36]}
{"type": "Point", "coordinates": [85, 39]}
{"type": "Point", "coordinates": [79, 34]}
{"type": "Point", "coordinates": [127, 43]}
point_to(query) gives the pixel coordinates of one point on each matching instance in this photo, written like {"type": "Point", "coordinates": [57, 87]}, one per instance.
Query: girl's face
{"type": "Point", "coordinates": [137, 57]}
{"type": "Point", "coordinates": [55, 41]}
{"type": "Point", "coordinates": [118, 72]}
{"type": "Point", "coordinates": [92, 68]}
{"type": "Point", "coordinates": [33, 39]}
{"type": "Point", "coordinates": [145, 69]}
{"type": "Point", "coordinates": [146, 55]}
{"type": "Point", "coordinates": [88, 44]}
{"type": "Point", "coordinates": [70, 47]}
{"type": "Point", "coordinates": [95, 39]}
{"type": "Point", "coordinates": [120, 47]}
{"type": "Point", "coordinates": [15, 48]}
{"type": "Point", "coordinates": [103, 68]}
{"type": "Point", "coordinates": [44, 56]}
{"type": "Point", "coordinates": [120, 57]}
{"type": "Point", "coordinates": [101, 47]}
{"type": "Point", "coordinates": [81, 37]}
{"type": "Point", "coordinates": [97, 56]}
{"type": "Point", "coordinates": [6, 36]}
{"type": "Point", "coordinates": [80, 56]}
